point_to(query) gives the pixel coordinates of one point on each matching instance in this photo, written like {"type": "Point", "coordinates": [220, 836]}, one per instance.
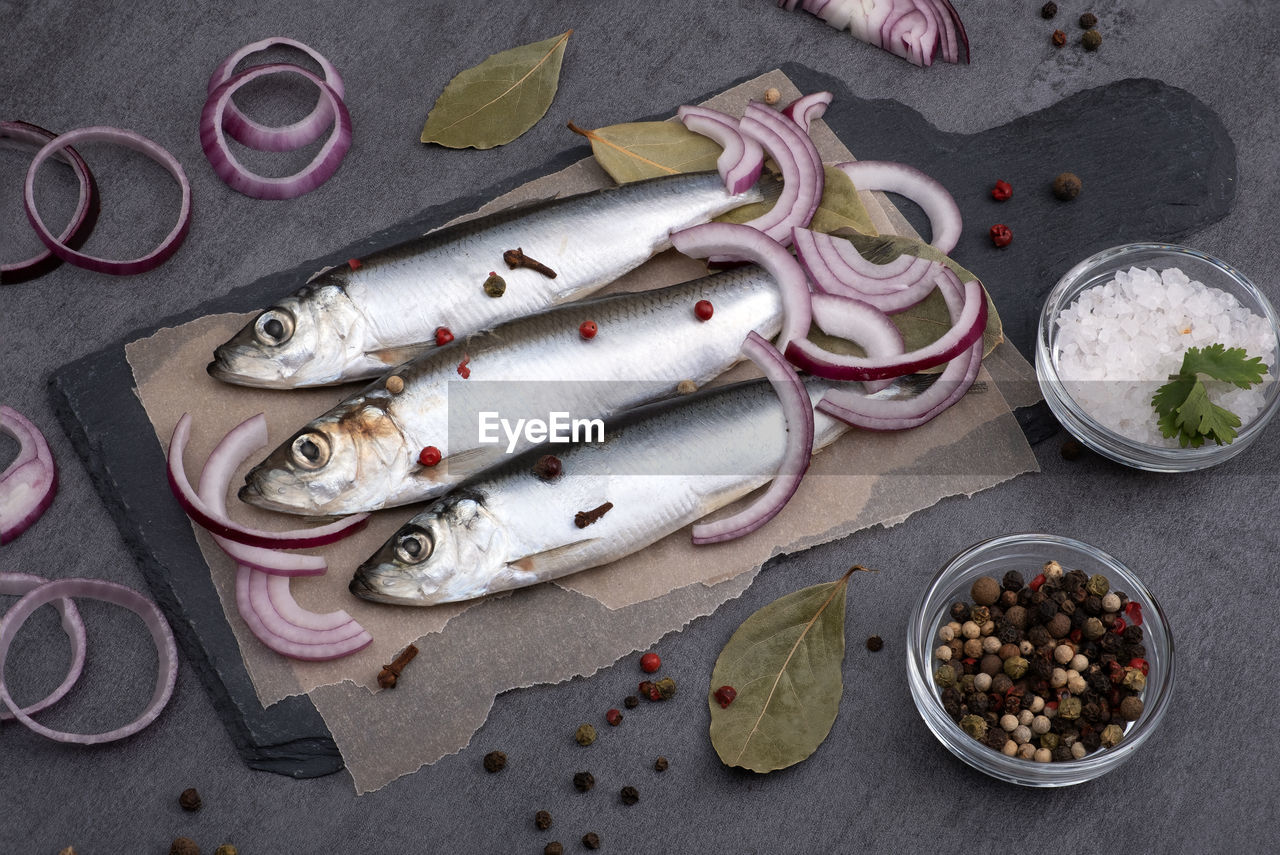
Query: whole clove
{"type": "Point", "coordinates": [516, 258]}
{"type": "Point", "coordinates": [582, 519]}
{"type": "Point", "coordinates": [390, 674]}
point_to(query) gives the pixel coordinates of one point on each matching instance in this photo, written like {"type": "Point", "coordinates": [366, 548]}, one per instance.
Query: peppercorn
{"type": "Point", "coordinates": [1132, 634]}
{"type": "Point", "coordinates": [395, 384]}
{"type": "Point", "coordinates": [1059, 38]}
{"type": "Point", "coordinates": [645, 689]}
{"type": "Point", "coordinates": [1059, 625]}
{"type": "Point", "coordinates": [183, 846]}
{"type": "Point", "coordinates": [979, 704]}
{"type": "Point", "coordinates": [703, 310]}
{"type": "Point", "coordinates": [650, 662]}
{"type": "Point", "coordinates": [1048, 10]}
{"type": "Point", "coordinates": [772, 96]}
{"type": "Point", "coordinates": [1131, 708]}
{"type": "Point", "coordinates": [1001, 191]}
{"type": "Point", "coordinates": [614, 717]}
{"type": "Point", "coordinates": [583, 781]}
{"type": "Point", "coordinates": [666, 688]}
{"type": "Point", "coordinates": [555, 847]}
{"type": "Point", "coordinates": [548, 467]}
{"type": "Point", "coordinates": [1050, 740]}
{"type": "Point", "coordinates": [980, 615]}
{"type": "Point", "coordinates": [875, 643]}
{"type": "Point", "coordinates": [1088, 21]}
{"type": "Point", "coordinates": [629, 795]}
{"type": "Point", "coordinates": [1111, 735]}
{"type": "Point", "coordinates": [661, 764]}
{"type": "Point", "coordinates": [588, 330]}
{"type": "Point", "coordinates": [996, 739]}
{"type": "Point", "coordinates": [190, 799]}
{"type": "Point", "coordinates": [67, 850]}
{"type": "Point", "coordinates": [725, 695]}
{"type": "Point", "coordinates": [1134, 680]}
{"type": "Point", "coordinates": [542, 819]}
{"type": "Point", "coordinates": [1098, 586]}
{"type": "Point", "coordinates": [974, 725]}
{"type": "Point", "coordinates": [1069, 708]}
{"type": "Point", "coordinates": [495, 285]}
{"type": "Point", "coordinates": [973, 648]}
{"type": "Point", "coordinates": [1000, 683]}
{"type": "Point", "coordinates": [1067, 185]}
{"type": "Point", "coordinates": [226, 849]}
{"type": "Point", "coordinates": [495, 761]}
{"type": "Point", "coordinates": [960, 611]}
{"type": "Point", "coordinates": [585, 735]}
{"type": "Point", "coordinates": [1001, 235]}
{"type": "Point", "coordinates": [631, 702]}
{"type": "Point", "coordinates": [591, 840]}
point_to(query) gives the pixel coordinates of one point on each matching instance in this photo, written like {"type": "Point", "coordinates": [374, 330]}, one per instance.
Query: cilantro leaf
{"type": "Point", "coordinates": [1183, 404]}
{"type": "Point", "coordinates": [1201, 418]}
{"type": "Point", "coordinates": [1229, 365]}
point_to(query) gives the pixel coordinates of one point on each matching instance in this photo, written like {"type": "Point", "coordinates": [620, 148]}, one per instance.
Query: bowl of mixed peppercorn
{"type": "Point", "coordinates": [1040, 660]}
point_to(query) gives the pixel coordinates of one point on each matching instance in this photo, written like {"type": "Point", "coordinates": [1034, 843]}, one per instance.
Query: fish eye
{"type": "Point", "coordinates": [414, 545]}
{"type": "Point", "coordinates": [274, 327]}
{"type": "Point", "coordinates": [310, 450]}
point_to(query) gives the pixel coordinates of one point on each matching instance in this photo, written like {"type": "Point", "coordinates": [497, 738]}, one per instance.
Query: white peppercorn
{"type": "Point", "coordinates": [1052, 570]}
{"type": "Point", "coordinates": [1010, 748]}
{"type": "Point", "coordinates": [1078, 750]}
{"type": "Point", "coordinates": [990, 644]}
{"type": "Point", "coordinates": [1111, 602]}
{"type": "Point", "coordinates": [1026, 751]}
{"type": "Point", "coordinates": [1043, 755]}
{"type": "Point", "coordinates": [943, 653]}
{"type": "Point", "coordinates": [955, 628]}
{"type": "Point", "coordinates": [969, 629]}
{"type": "Point", "coordinates": [1062, 654]}
{"type": "Point", "coordinates": [946, 633]}
{"type": "Point", "coordinates": [982, 682]}
{"type": "Point", "coordinates": [1079, 663]}
{"type": "Point", "coordinates": [1026, 717]}
{"type": "Point", "coordinates": [988, 628]}
{"type": "Point", "coordinates": [1075, 683]}
{"type": "Point", "coordinates": [1039, 725]}
{"type": "Point", "coordinates": [1008, 722]}
{"type": "Point", "coordinates": [1037, 704]}
{"type": "Point", "coordinates": [1021, 734]}
{"type": "Point", "coordinates": [1058, 678]}
{"type": "Point", "coordinates": [1026, 648]}
{"type": "Point", "coordinates": [973, 648]}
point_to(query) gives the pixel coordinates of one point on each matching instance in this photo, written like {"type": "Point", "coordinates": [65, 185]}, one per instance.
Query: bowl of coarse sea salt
{"type": "Point", "coordinates": [1116, 328]}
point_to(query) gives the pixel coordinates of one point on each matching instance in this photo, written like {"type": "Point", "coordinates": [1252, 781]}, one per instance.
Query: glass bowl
{"type": "Point", "coordinates": [1098, 269]}
{"type": "Point", "coordinates": [1028, 554]}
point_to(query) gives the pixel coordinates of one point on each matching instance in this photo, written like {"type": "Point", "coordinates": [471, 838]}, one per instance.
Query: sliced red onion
{"type": "Point", "coordinates": [745, 243]}
{"type": "Point", "coordinates": [230, 170]}
{"type": "Point", "coordinates": [82, 219]}
{"type": "Point", "coordinates": [884, 414]}
{"type": "Point", "coordinates": [138, 143]}
{"type": "Point", "coordinates": [912, 36]}
{"type": "Point", "coordinates": [220, 524]}
{"type": "Point", "coordinates": [215, 479]}
{"type": "Point", "coordinates": [303, 132]}
{"type": "Point", "coordinates": [250, 609]}
{"type": "Point", "coordinates": [807, 108]}
{"type": "Point", "coordinates": [29, 483]}
{"type": "Point", "coordinates": [862, 324]}
{"type": "Point", "coordinates": [280, 627]}
{"type": "Point", "coordinates": [808, 356]}
{"type": "Point", "coordinates": [798, 411]}
{"type": "Point", "coordinates": [801, 166]}
{"type": "Point", "coordinates": [17, 584]}
{"type": "Point", "coordinates": [108, 592]}
{"type": "Point", "coordinates": [741, 161]}
{"type": "Point", "coordinates": [280, 594]}
{"type": "Point", "coordinates": [915, 30]}
{"type": "Point", "coordinates": [830, 274]}
{"type": "Point", "coordinates": [944, 215]}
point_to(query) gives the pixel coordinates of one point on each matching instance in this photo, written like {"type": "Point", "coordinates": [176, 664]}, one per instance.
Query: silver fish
{"type": "Point", "coordinates": [661, 471]}
{"type": "Point", "coordinates": [350, 324]}
{"type": "Point", "coordinates": [362, 454]}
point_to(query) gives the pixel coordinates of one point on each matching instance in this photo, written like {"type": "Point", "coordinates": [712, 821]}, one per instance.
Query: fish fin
{"type": "Point", "coordinates": [464, 464]}
{"type": "Point", "coordinates": [538, 560]}
{"type": "Point", "coordinates": [398, 355]}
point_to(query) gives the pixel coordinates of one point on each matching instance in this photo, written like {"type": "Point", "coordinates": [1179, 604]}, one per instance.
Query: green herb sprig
{"type": "Point", "coordinates": [1183, 403]}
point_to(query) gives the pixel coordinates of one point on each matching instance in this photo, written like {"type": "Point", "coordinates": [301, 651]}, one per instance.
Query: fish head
{"type": "Point", "coordinates": [353, 458]}
{"type": "Point", "coordinates": [454, 550]}
{"type": "Point", "coordinates": [307, 339]}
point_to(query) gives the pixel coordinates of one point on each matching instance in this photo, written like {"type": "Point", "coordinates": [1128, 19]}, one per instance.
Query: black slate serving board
{"type": "Point", "coordinates": [1156, 164]}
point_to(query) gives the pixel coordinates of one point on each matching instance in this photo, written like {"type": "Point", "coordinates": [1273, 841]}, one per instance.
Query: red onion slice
{"type": "Point", "coordinates": [798, 411]}
{"type": "Point", "coordinates": [741, 161]}
{"type": "Point", "coordinates": [230, 170]}
{"type": "Point", "coordinates": [744, 242]}
{"type": "Point", "coordinates": [801, 166]}
{"type": "Point", "coordinates": [249, 612]}
{"type": "Point", "coordinates": [17, 584]}
{"type": "Point", "coordinates": [808, 356]}
{"type": "Point", "coordinates": [138, 143]}
{"type": "Point", "coordinates": [808, 108]}
{"type": "Point", "coordinates": [882, 414]}
{"type": "Point", "coordinates": [108, 592]}
{"type": "Point", "coordinates": [82, 219]}
{"type": "Point", "coordinates": [830, 274]}
{"type": "Point", "coordinates": [215, 479]}
{"type": "Point", "coordinates": [221, 524]}
{"type": "Point", "coordinates": [275, 622]}
{"type": "Point", "coordinates": [303, 132]}
{"type": "Point", "coordinates": [862, 324]}
{"type": "Point", "coordinates": [944, 215]}
{"type": "Point", "coordinates": [280, 595]}
{"type": "Point", "coordinates": [29, 483]}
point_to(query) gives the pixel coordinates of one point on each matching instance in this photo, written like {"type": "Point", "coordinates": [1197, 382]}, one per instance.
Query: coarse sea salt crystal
{"type": "Point", "coordinates": [1119, 342]}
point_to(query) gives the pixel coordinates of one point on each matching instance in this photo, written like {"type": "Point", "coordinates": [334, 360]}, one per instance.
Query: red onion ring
{"type": "Point", "coordinates": [220, 524]}
{"type": "Point", "coordinates": [17, 584]}
{"type": "Point", "coordinates": [275, 622]}
{"type": "Point", "coordinates": [741, 161]}
{"type": "Point", "coordinates": [240, 179]}
{"type": "Point", "coordinates": [808, 356]}
{"type": "Point", "coordinates": [861, 323]}
{"type": "Point", "coordinates": [249, 612]}
{"type": "Point", "coordinates": [108, 592]}
{"type": "Point", "coordinates": [798, 411]}
{"type": "Point", "coordinates": [879, 414]}
{"type": "Point", "coordinates": [303, 132]}
{"type": "Point", "coordinates": [801, 165]}
{"type": "Point", "coordinates": [807, 108]}
{"type": "Point", "coordinates": [82, 220]}
{"type": "Point", "coordinates": [29, 483]}
{"type": "Point", "coordinates": [215, 479]}
{"type": "Point", "coordinates": [830, 275]}
{"type": "Point", "coordinates": [744, 242]}
{"type": "Point", "coordinates": [140, 144]}
{"type": "Point", "coordinates": [944, 215]}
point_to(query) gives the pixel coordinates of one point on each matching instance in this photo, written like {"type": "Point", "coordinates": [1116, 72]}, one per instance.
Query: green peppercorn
{"type": "Point", "coordinates": [226, 849]}
{"type": "Point", "coordinates": [945, 676]}
{"type": "Point", "coordinates": [1111, 735]}
{"type": "Point", "coordinates": [495, 761]}
{"type": "Point", "coordinates": [1069, 708]}
{"type": "Point", "coordinates": [1016, 666]}
{"type": "Point", "coordinates": [495, 285]}
{"type": "Point", "coordinates": [585, 735]}
{"type": "Point", "coordinates": [1050, 740]}
{"type": "Point", "coordinates": [183, 846]}
{"type": "Point", "coordinates": [1091, 40]}
{"type": "Point", "coordinates": [975, 726]}
{"type": "Point", "coordinates": [666, 688]}
{"type": "Point", "coordinates": [583, 781]}
{"type": "Point", "coordinates": [1098, 586]}
{"type": "Point", "coordinates": [542, 819]}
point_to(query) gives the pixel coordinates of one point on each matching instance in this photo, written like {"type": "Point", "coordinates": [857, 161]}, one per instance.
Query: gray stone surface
{"type": "Point", "coordinates": [1204, 542]}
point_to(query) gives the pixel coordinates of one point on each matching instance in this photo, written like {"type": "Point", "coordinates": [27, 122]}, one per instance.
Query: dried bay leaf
{"type": "Point", "coordinates": [499, 99]}
{"type": "Point", "coordinates": [634, 151]}
{"type": "Point", "coordinates": [785, 661]}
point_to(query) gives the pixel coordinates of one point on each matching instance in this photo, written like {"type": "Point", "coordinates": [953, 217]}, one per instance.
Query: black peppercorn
{"type": "Point", "coordinates": [555, 847]}
{"type": "Point", "coordinates": [661, 764]}
{"type": "Point", "coordinates": [1110, 643]}
{"type": "Point", "coordinates": [1039, 636]}
{"type": "Point", "coordinates": [1048, 10]}
{"type": "Point", "coordinates": [979, 704]}
{"type": "Point", "coordinates": [1135, 651]}
{"type": "Point", "coordinates": [1071, 449]}
{"type": "Point", "coordinates": [1067, 185]}
{"type": "Point", "coordinates": [1008, 633]}
{"type": "Point", "coordinates": [1132, 634]}
{"type": "Point", "coordinates": [996, 738]}
{"type": "Point", "coordinates": [190, 799]}
{"type": "Point", "coordinates": [1012, 581]}
{"type": "Point", "coordinates": [1093, 604]}
{"type": "Point", "coordinates": [591, 840]}
{"type": "Point", "coordinates": [1088, 21]}
{"type": "Point", "coordinates": [629, 795]}
{"type": "Point", "coordinates": [542, 819]}
{"type": "Point", "coordinates": [1062, 754]}
{"type": "Point", "coordinates": [1090, 739]}
{"type": "Point", "coordinates": [495, 761]}
{"type": "Point", "coordinates": [875, 643]}
{"type": "Point", "coordinates": [583, 781]}
{"type": "Point", "coordinates": [959, 611]}
{"type": "Point", "coordinates": [1000, 684]}
{"type": "Point", "coordinates": [631, 702]}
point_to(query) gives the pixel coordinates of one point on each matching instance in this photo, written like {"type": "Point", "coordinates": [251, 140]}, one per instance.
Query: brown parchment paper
{"type": "Point", "coordinates": [473, 651]}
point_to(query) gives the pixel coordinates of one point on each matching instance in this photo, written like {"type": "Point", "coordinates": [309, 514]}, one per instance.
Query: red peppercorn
{"type": "Point", "coordinates": [1036, 582]}
{"type": "Point", "coordinates": [654, 694]}
{"type": "Point", "coordinates": [429, 456]}
{"type": "Point", "coordinates": [353, 263]}
{"type": "Point", "coordinates": [1053, 705]}
{"type": "Point", "coordinates": [703, 309]}
{"type": "Point", "coordinates": [645, 688]}
{"type": "Point", "coordinates": [588, 330]}
{"type": "Point", "coordinates": [1118, 626]}
{"type": "Point", "coordinates": [1001, 236]}
{"type": "Point", "coordinates": [1141, 665]}
{"type": "Point", "coordinates": [997, 703]}
{"type": "Point", "coordinates": [463, 370]}
{"type": "Point", "coordinates": [614, 717]}
{"type": "Point", "coordinates": [650, 662]}
{"type": "Point", "coordinates": [1134, 611]}
{"type": "Point", "coordinates": [725, 696]}
{"type": "Point", "coordinates": [1075, 635]}
{"type": "Point", "coordinates": [443, 336]}
{"type": "Point", "coordinates": [1115, 673]}
{"type": "Point", "coordinates": [1002, 191]}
